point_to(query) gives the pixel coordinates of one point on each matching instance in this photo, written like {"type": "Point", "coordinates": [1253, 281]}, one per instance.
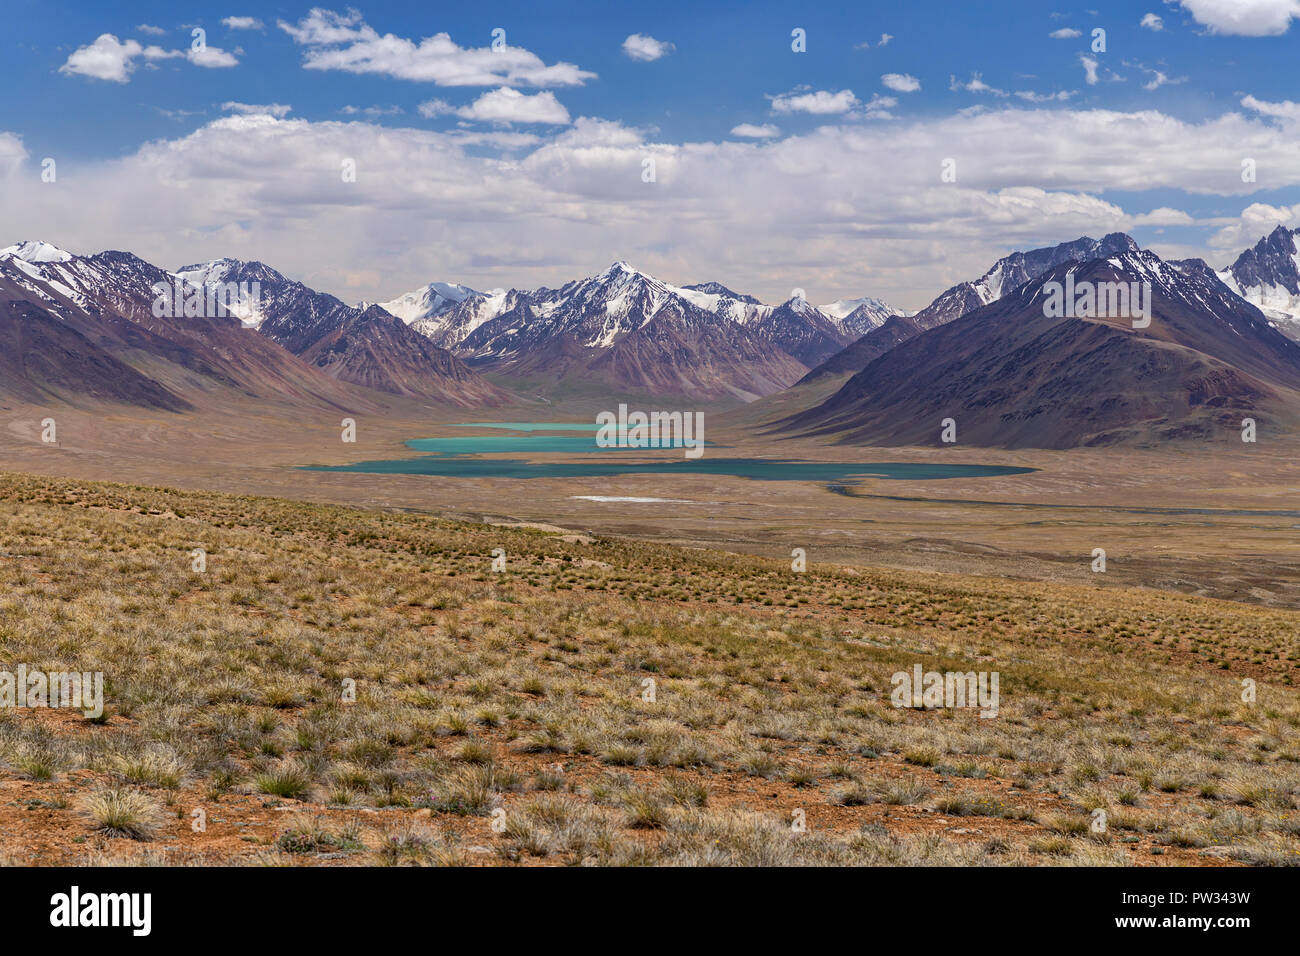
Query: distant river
{"type": "Point", "coordinates": [458, 457]}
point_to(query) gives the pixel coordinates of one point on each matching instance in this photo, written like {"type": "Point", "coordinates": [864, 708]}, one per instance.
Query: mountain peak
{"type": "Point", "coordinates": [621, 266]}
{"type": "Point", "coordinates": [36, 250]}
{"type": "Point", "coordinates": [1116, 242]}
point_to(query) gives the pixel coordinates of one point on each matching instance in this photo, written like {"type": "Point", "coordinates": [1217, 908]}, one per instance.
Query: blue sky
{"type": "Point", "coordinates": [774, 168]}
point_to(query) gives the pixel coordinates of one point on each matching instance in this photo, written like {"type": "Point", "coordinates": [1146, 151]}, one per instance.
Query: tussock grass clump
{"type": "Point", "coordinates": [122, 812]}
{"type": "Point", "coordinates": [289, 780]}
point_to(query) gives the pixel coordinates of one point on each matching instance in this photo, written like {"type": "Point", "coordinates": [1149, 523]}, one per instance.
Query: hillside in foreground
{"type": "Point", "coordinates": [528, 692]}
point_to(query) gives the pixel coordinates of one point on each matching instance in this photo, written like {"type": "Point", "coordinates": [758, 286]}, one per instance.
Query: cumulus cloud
{"type": "Point", "coordinates": [1248, 18]}
{"type": "Point", "coordinates": [1065, 33]}
{"type": "Point", "coordinates": [638, 46]}
{"type": "Point", "coordinates": [150, 29]}
{"type": "Point", "coordinates": [1152, 22]}
{"type": "Point", "coordinates": [1255, 221]}
{"type": "Point", "coordinates": [507, 106]}
{"type": "Point", "coordinates": [1164, 216]}
{"type": "Point", "coordinates": [818, 102]}
{"type": "Point", "coordinates": [343, 41]}
{"type": "Point", "coordinates": [242, 23]}
{"type": "Point", "coordinates": [819, 204]}
{"type": "Point", "coordinates": [751, 131]}
{"type": "Point", "coordinates": [900, 82]}
{"type": "Point", "coordinates": [211, 57]}
{"type": "Point", "coordinates": [108, 58]}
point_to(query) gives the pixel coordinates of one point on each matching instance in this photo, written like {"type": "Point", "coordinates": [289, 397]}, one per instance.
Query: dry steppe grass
{"type": "Point", "coordinates": [508, 717]}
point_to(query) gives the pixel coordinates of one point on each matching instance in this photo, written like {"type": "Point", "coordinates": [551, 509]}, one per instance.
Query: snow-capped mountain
{"type": "Point", "coordinates": [115, 281]}
{"type": "Point", "coordinates": [605, 311]}
{"type": "Point", "coordinates": [1013, 271]}
{"type": "Point", "coordinates": [110, 298]}
{"type": "Point", "coordinates": [563, 331]}
{"type": "Point", "coordinates": [718, 289]}
{"type": "Point", "coordinates": [363, 346]}
{"type": "Point", "coordinates": [220, 273]}
{"type": "Point", "coordinates": [1268, 277]}
{"type": "Point", "coordinates": [857, 317]}
{"type": "Point", "coordinates": [1015, 374]}
{"type": "Point", "coordinates": [802, 330]}
{"type": "Point", "coordinates": [882, 333]}
{"type": "Point", "coordinates": [36, 251]}
{"type": "Point", "coordinates": [78, 327]}
{"type": "Point", "coordinates": [428, 301]}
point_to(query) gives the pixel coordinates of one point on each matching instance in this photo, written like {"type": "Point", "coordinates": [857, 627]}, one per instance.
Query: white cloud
{"type": "Point", "coordinates": [372, 111]}
{"type": "Point", "coordinates": [638, 46]}
{"type": "Point", "coordinates": [817, 205]}
{"type": "Point", "coordinates": [867, 45]}
{"type": "Point", "coordinates": [879, 107]}
{"type": "Point", "coordinates": [1256, 220]}
{"type": "Point", "coordinates": [819, 103]}
{"type": "Point", "coordinates": [242, 23]}
{"type": "Point", "coordinates": [1089, 69]}
{"type": "Point", "coordinates": [901, 82]}
{"type": "Point", "coordinates": [278, 110]}
{"type": "Point", "coordinates": [338, 41]}
{"type": "Point", "coordinates": [150, 29]}
{"type": "Point", "coordinates": [508, 106]}
{"type": "Point", "coordinates": [1248, 18]}
{"type": "Point", "coordinates": [1286, 110]}
{"type": "Point", "coordinates": [1030, 96]}
{"type": "Point", "coordinates": [1164, 216]}
{"type": "Point", "coordinates": [211, 57]}
{"type": "Point", "coordinates": [431, 108]}
{"type": "Point", "coordinates": [1065, 33]}
{"type": "Point", "coordinates": [975, 84]}
{"type": "Point", "coordinates": [108, 58]}
{"type": "Point", "coordinates": [1152, 22]}
{"type": "Point", "coordinates": [751, 131]}
{"type": "Point", "coordinates": [1159, 79]}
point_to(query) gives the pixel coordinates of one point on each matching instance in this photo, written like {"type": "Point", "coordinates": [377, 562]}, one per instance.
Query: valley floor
{"type": "Point", "coordinates": [1218, 520]}
{"type": "Point", "coordinates": [350, 685]}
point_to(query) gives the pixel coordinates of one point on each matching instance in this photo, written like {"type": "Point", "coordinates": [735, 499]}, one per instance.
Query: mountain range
{"type": "Point", "coordinates": [1015, 373]}
{"type": "Point", "coordinates": [984, 352]}
{"type": "Point", "coordinates": [629, 330]}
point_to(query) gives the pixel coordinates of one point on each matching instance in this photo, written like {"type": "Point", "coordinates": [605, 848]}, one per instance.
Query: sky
{"type": "Point", "coordinates": [883, 149]}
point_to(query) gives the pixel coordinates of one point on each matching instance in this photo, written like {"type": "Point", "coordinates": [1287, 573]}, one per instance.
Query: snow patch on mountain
{"type": "Point", "coordinates": [1268, 277]}
{"type": "Point", "coordinates": [34, 250]}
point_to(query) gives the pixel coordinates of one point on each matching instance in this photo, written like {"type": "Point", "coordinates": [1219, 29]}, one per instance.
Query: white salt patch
{"type": "Point", "coordinates": [682, 501]}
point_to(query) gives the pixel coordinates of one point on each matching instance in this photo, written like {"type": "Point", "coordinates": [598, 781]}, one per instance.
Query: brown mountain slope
{"type": "Point", "coordinates": [108, 299]}
{"type": "Point", "coordinates": [43, 357]}
{"type": "Point", "coordinates": [378, 350]}
{"type": "Point", "coordinates": [686, 351]}
{"type": "Point", "coordinates": [1011, 376]}
{"type": "Point", "coordinates": [852, 359]}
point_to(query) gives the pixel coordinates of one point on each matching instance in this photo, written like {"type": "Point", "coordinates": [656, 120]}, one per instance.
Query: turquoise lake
{"type": "Point", "coordinates": [458, 457]}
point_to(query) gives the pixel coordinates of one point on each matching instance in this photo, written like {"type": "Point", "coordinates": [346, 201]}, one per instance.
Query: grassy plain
{"type": "Point", "coordinates": [602, 700]}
